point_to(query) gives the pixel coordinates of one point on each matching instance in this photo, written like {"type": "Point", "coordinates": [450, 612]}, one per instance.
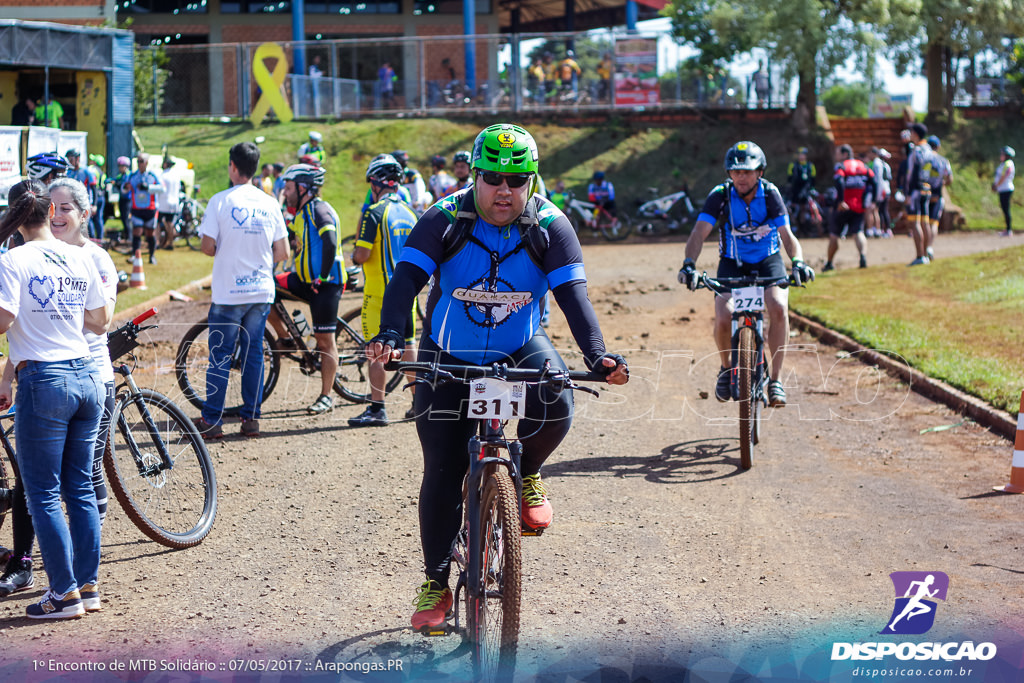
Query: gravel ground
{"type": "Point", "coordinates": [664, 557]}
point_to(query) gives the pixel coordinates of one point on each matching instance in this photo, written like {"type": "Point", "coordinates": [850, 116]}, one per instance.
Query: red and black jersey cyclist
{"type": "Point", "coordinates": [319, 275]}
{"type": "Point", "coordinates": [484, 307]}
{"type": "Point", "coordinates": [754, 224]}
{"type": "Point", "coordinates": [855, 193]}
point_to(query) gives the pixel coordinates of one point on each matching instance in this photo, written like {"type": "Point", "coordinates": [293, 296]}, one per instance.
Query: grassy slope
{"type": "Point", "coordinates": [960, 322]}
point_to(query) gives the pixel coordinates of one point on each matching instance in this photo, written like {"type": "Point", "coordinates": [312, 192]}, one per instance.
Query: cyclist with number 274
{"type": "Point", "coordinates": [754, 223]}
{"type": "Point", "coordinates": [493, 249]}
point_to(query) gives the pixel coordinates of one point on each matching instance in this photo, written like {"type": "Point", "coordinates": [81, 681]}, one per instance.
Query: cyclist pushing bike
{"type": "Point", "coordinates": [319, 275]}
{"type": "Point", "coordinates": [493, 250]}
{"type": "Point", "coordinates": [754, 222]}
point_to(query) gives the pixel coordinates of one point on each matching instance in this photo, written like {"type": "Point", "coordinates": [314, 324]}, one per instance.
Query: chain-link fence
{"type": "Point", "coordinates": [433, 74]}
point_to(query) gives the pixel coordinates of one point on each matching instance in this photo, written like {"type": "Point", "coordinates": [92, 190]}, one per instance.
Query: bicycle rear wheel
{"type": "Point", "coordinates": [193, 360]}
{"type": "Point", "coordinates": [352, 380]}
{"type": "Point", "coordinates": [492, 606]}
{"type": "Point", "coordinates": [176, 505]}
{"type": "Point", "coordinates": [749, 412]}
{"type": "Point", "coordinates": [614, 228]}
{"type": "Point", "coordinates": [6, 484]}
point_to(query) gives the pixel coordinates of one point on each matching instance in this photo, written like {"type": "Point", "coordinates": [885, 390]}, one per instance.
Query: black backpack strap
{"type": "Point", "coordinates": [532, 236]}
{"type": "Point", "coordinates": [459, 232]}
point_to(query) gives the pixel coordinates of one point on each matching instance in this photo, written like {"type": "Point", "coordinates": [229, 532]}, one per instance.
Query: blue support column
{"type": "Point", "coordinates": [469, 31]}
{"type": "Point", "coordinates": [631, 14]}
{"type": "Point", "coordinates": [299, 35]}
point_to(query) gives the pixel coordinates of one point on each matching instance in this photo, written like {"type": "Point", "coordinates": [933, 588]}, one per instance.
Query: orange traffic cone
{"type": "Point", "coordinates": [1016, 484]}
{"type": "Point", "coordinates": [138, 279]}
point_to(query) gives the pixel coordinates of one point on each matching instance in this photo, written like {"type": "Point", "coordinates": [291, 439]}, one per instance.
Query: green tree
{"type": "Point", "coordinates": [850, 99]}
{"type": "Point", "coordinates": [810, 39]}
{"type": "Point", "coordinates": [151, 76]}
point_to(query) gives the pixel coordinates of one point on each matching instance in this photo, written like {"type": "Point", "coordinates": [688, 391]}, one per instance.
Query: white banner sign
{"type": "Point", "coordinates": [74, 139]}
{"type": "Point", "coordinates": [10, 159]}
{"type": "Point", "coordinates": [41, 139]}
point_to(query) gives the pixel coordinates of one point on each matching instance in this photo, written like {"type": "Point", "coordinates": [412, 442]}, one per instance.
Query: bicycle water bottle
{"type": "Point", "coordinates": [300, 322]}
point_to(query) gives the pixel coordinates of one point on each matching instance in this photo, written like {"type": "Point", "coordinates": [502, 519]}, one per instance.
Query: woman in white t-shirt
{"type": "Point", "coordinates": [50, 293]}
{"type": "Point", "coordinates": [70, 223]}
{"type": "Point", "coordinates": [1003, 185]}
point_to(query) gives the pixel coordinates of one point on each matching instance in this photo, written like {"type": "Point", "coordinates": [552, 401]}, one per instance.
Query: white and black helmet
{"type": "Point", "coordinates": [385, 170]}
{"type": "Point", "coordinates": [305, 174]}
{"type": "Point", "coordinates": [40, 166]}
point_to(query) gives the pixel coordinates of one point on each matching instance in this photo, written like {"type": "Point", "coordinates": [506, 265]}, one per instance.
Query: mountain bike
{"type": "Point", "coordinates": [806, 216]}
{"type": "Point", "coordinates": [588, 214]}
{"type": "Point", "coordinates": [351, 381]}
{"type": "Point", "coordinates": [667, 214]}
{"type": "Point", "coordinates": [187, 219]}
{"type": "Point", "coordinates": [488, 550]}
{"type": "Point", "coordinates": [156, 461]}
{"type": "Point", "coordinates": [748, 374]}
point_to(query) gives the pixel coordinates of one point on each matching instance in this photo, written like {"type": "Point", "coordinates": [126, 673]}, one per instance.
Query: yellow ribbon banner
{"type": "Point", "coordinates": [270, 84]}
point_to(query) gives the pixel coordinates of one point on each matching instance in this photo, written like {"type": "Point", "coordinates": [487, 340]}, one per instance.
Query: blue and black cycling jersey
{"type": "Point", "coordinates": [749, 232]}
{"type": "Point", "coordinates": [485, 300]}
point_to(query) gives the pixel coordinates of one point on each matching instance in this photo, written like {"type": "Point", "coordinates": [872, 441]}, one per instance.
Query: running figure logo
{"type": "Point", "coordinates": [916, 595]}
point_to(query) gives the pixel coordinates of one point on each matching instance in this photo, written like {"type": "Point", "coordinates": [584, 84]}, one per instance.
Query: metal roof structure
{"type": "Point", "coordinates": [551, 15]}
{"type": "Point", "coordinates": [61, 46]}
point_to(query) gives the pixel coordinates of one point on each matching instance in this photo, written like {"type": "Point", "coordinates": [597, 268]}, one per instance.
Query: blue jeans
{"type": "Point", "coordinates": [59, 405]}
{"type": "Point", "coordinates": [231, 326]}
{"type": "Point", "coordinates": [96, 220]}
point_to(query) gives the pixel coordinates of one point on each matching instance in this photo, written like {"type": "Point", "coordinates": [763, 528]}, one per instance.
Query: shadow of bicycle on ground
{"type": "Point", "coordinates": [398, 654]}
{"type": "Point", "coordinates": [689, 462]}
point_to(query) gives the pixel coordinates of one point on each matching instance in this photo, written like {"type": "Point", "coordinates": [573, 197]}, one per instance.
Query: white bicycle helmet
{"type": "Point", "coordinates": [305, 174]}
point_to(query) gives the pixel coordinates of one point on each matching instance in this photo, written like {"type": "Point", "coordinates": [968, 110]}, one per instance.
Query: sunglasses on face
{"type": "Point", "coordinates": [514, 180]}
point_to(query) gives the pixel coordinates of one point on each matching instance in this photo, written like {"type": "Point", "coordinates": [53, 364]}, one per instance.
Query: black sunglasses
{"type": "Point", "coordinates": [514, 180]}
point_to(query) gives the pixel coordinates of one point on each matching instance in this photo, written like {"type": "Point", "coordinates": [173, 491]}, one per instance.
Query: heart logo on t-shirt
{"type": "Point", "coordinates": [241, 215]}
{"type": "Point", "coordinates": [41, 289]}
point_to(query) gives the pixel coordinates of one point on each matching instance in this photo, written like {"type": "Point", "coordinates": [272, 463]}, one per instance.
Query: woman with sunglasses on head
{"type": "Point", "coordinates": [493, 250]}
{"type": "Point", "coordinates": [50, 293]}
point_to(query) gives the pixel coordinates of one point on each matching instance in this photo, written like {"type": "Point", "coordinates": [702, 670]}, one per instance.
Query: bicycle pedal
{"type": "Point", "coordinates": [528, 531]}
{"type": "Point", "coordinates": [442, 630]}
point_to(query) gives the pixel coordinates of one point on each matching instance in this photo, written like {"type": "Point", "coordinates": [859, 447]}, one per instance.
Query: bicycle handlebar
{"type": "Point", "coordinates": [463, 373]}
{"type": "Point", "coordinates": [144, 316]}
{"type": "Point", "coordinates": [725, 285]}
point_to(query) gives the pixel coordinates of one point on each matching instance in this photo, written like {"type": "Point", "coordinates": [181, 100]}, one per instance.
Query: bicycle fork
{"type": "Point", "coordinates": [145, 469]}
{"type": "Point", "coordinates": [757, 324]}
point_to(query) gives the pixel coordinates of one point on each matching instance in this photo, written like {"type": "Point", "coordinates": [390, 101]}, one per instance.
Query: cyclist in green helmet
{"type": "Point", "coordinates": [493, 250]}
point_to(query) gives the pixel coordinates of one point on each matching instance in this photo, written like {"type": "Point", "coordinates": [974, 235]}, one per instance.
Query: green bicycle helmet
{"type": "Point", "coordinates": [505, 148]}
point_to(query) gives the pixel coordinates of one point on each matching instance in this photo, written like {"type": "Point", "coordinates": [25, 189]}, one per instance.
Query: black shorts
{"type": "Point", "coordinates": [323, 305]}
{"type": "Point", "coordinates": [935, 207]}
{"type": "Point", "coordinates": [846, 223]}
{"type": "Point", "coordinates": [771, 267]}
{"type": "Point", "coordinates": [144, 218]}
{"type": "Point", "coordinates": [166, 217]}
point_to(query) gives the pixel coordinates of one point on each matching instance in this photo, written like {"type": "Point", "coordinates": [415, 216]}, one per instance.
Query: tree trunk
{"type": "Point", "coordinates": [934, 71]}
{"type": "Point", "coordinates": [806, 103]}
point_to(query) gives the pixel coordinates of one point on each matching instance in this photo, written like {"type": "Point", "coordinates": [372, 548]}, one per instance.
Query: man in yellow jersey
{"type": "Point", "coordinates": [319, 275]}
{"type": "Point", "coordinates": [385, 226]}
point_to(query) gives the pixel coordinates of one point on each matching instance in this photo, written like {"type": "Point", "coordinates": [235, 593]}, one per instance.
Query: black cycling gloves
{"type": "Point", "coordinates": [802, 273]}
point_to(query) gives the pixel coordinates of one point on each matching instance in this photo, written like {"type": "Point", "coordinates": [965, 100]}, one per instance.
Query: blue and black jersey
{"type": "Point", "coordinates": [749, 232]}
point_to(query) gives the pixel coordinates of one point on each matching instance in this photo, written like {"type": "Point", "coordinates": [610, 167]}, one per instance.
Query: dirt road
{"type": "Point", "coordinates": [665, 557]}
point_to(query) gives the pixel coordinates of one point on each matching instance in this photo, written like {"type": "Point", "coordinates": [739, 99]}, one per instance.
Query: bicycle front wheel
{"type": "Point", "coordinates": [159, 469]}
{"type": "Point", "coordinates": [193, 360]}
{"type": "Point", "coordinates": [493, 604]}
{"type": "Point", "coordinates": [748, 411]}
{"type": "Point", "coordinates": [352, 380]}
{"type": "Point", "coordinates": [615, 228]}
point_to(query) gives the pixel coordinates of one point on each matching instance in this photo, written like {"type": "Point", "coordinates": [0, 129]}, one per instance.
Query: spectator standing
{"type": "Point", "coordinates": [59, 400]}
{"type": "Point", "coordinates": [24, 113]}
{"type": "Point", "coordinates": [855, 188]}
{"type": "Point", "coordinates": [1003, 185]}
{"type": "Point", "coordinates": [762, 84]}
{"type": "Point", "coordinates": [49, 113]}
{"type": "Point", "coordinates": [315, 71]}
{"type": "Point", "coordinates": [605, 70]}
{"type": "Point", "coordinates": [313, 148]}
{"type": "Point", "coordinates": [98, 217]}
{"type": "Point", "coordinates": [800, 178]}
{"type": "Point", "coordinates": [168, 201]}
{"type": "Point", "coordinates": [879, 164]}
{"type": "Point", "coordinates": [386, 84]}
{"type": "Point", "coordinates": [244, 231]}
{"type": "Point", "coordinates": [550, 67]}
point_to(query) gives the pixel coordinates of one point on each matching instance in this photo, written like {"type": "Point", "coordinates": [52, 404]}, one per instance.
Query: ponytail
{"type": "Point", "coordinates": [29, 206]}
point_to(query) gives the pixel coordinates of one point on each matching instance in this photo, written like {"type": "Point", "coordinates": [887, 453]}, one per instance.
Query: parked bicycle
{"type": "Point", "coordinates": [749, 365]}
{"type": "Point", "coordinates": [189, 216]}
{"type": "Point", "coordinates": [351, 381]}
{"type": "Point", "coordinates": [488, 550]}
{"type": "Point", "coordinates": [806, 217]}
{"type": "Point", "coordinates": [664, 215]}
{"type": "Point", "coordinates": [582, 214]}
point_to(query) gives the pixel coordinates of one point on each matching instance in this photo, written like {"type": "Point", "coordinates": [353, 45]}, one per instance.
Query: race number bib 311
{"type": "Point", "coordinates": [491, 398]}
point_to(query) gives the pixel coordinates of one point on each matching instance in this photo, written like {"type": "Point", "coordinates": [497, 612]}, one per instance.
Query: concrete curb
{"type": "Point", "coordinates": [191, 288]}
{"type": "Point", "coordinates": [929, 387]}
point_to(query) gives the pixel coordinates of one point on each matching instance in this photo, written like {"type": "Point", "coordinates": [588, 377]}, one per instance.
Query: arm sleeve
{"type": "Point", "coordinates": [327, 227]}
{"type": "Point", "coordinates": [579, 313]}
{"type": "Point", "coordinates": [368, 229]}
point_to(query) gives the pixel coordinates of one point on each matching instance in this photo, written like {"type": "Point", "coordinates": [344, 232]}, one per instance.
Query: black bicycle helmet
{"type": "Point", "coordinates": [745, 156]}
{"type": "Point", "coordinates": [385, 170]}
{"type": "Point", "coordinates": [401, 156]}
{"type": "Point", "coordinates": [437, 161]}
{"type": "Point", "coordinates": [305, 174]}
{"type": "Point", "coordinates": [40, 166]}
{"type": "Point", "coordinates": [598, 176]}
{"type": "Point", "coordinates": [462, 156]}
{"type": "Point", "coordinates": [1010, 152]}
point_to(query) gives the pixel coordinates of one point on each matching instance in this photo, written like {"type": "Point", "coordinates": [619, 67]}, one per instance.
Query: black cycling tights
{"type": "Point", "coordinates": [444, 434]}
{"type": "Point", "coordinates": [1004, 204]}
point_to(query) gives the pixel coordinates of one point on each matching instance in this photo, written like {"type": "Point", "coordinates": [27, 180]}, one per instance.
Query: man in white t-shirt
{"type": "Point", "coordinates": [167, 202]}
{"type": "Point", "coordinates": [244, 230]}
